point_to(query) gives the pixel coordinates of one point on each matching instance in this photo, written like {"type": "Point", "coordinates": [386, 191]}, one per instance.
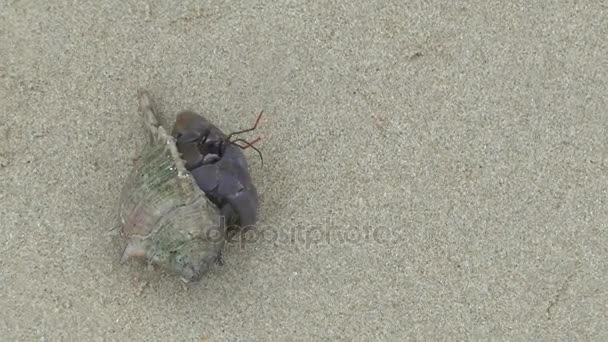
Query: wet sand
{"type": "Point", "coordinates": [431, 171]}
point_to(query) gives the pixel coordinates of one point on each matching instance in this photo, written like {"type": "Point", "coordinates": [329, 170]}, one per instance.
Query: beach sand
{"type": "Point", "coordinates": [432, 171]}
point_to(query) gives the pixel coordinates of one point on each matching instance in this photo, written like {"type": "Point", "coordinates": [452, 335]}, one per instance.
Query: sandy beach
{"type": "Point", "coordinates": [432, 171]}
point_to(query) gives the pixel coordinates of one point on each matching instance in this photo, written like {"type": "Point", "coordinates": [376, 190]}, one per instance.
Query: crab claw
{"type": "Point", "coordinates": [222, 175]}
{"type": "Point", "coordinates": [228, 184]}
{"type": "Point", "coordinates": [189, 131]}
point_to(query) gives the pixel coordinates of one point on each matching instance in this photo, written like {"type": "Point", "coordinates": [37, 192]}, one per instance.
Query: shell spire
{"type": "Point", "coordinates": [158, 134]}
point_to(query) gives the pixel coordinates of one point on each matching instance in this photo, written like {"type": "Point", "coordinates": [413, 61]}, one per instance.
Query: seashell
{"type": "Point", "coordinates": [165, 218]}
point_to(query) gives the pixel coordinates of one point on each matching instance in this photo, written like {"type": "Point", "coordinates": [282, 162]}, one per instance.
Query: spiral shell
{"type": "Point", "coordinates": [164, 216]}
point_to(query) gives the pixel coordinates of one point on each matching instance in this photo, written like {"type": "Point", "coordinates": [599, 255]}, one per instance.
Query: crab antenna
{"type": "Point", "coordinates": [257, 120]}
{"type": "Point", "coordinates": [249, 144]}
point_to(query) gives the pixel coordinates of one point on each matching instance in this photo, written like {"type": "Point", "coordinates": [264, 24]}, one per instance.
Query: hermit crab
{"type": "Point", "coordinates": [219, 167]}
{"type": "Point", "coordinates": [188, 192]}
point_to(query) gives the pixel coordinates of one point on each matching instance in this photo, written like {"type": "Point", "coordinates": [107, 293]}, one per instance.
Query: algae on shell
{"type": "Point", "coordinates": [165, 217]}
